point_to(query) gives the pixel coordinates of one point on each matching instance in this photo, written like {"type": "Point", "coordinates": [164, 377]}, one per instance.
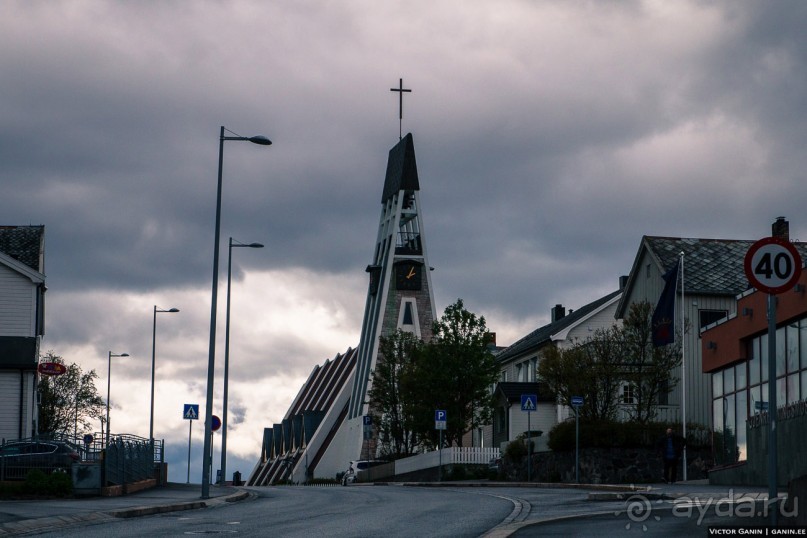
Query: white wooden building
{"type": "Point", "coordinates": [22, 308]}
{"type": "Point", "coordinates": [519, 363]}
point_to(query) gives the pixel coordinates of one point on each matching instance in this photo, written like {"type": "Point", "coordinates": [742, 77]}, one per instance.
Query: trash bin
{"type": "Point", "coordinates": [236, 478]}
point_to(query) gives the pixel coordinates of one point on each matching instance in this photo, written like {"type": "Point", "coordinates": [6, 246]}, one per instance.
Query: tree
{"type": "Point", "coordinates": [588, 368]}
{"type": "Point", "coordinates": [69, 401]}
{"type": "Point", "coordinates": [647, 368]}
{"type": "Point", "coordinates": [391, 410]}
{"type": "Point", "coordinates": [595, 368]}
{"type": "Point", "coordinates": [454, 372]}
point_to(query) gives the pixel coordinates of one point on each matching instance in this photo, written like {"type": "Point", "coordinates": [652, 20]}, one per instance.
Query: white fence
{"type": "Point", "coordinates": [454, 455]}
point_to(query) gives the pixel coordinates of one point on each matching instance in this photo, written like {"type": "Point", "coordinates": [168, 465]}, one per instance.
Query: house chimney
{"type": "Point", "coordinates": [558, 312]}
{"type": "Point", "coordinates": [623, 281]}
{"type": "Point", "coordinates": [781, 229]}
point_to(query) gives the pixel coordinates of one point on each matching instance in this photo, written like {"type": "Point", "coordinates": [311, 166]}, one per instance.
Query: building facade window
{"type": "Point", "coordinates": [741, 390]}
{"type": "Point", "coordinates": [707, 316]}
{"type": "Point", "coordinates": [628, 394]}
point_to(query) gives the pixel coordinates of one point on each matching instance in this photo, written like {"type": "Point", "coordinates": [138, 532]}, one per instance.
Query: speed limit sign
{"type": "Point", "coordinates": [772, 265]}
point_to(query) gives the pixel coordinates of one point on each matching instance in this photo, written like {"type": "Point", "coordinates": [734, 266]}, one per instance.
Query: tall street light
{"type": "Point", "coordinates": [108, 385]}
{"type": "Point", "coordinates": [227, 354]}
{"type": "Point", "coordinates": [154, 363]}
{"type": "Point", "coordinates": [207, 457]}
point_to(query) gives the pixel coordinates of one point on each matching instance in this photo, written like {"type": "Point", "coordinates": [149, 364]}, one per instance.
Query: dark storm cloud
{"type": "Point", "coordinates": [550, 137]}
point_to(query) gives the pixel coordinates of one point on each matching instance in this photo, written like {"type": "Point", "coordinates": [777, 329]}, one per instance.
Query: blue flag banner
{"type": "Point", "coordinates": [663, 321]}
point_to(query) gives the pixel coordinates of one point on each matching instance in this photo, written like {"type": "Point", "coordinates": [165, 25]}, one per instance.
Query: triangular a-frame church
{"type": "Point", "coordinates": [324, 427]}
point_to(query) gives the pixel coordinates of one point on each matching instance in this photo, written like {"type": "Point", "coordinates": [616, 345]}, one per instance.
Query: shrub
{"type": "Point", "coordinates": [56, 484]}
{"type": "Point", "coordinates": [515, 450]}
{"type": "Point", "coordinates": [35, 482]}
{"type": "Point", "coordinates": [59, 484]}
{"type": "Point", "coordinates": [611, 434]}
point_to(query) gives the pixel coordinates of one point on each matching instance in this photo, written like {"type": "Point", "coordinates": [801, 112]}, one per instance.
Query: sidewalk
{"type": "Point", "coordinates": [18, 517]}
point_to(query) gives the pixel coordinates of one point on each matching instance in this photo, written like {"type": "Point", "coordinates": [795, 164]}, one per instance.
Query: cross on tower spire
{"type": "Point", "coordinates": [400, 89]}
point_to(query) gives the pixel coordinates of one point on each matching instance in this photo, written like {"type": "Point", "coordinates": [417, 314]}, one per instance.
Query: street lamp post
{"type": "Point", "coordinates": [154, 363]}
{"type": "Point", "coordinates": [207, 459]}
{"type": "Point", "coordinates": [227, 354]}
{"type": "Point", "coordinates": [108, 385]}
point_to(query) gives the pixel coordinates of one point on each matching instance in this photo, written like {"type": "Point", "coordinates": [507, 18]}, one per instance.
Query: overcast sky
{"type": "Point", "coordinates": [550, 137]}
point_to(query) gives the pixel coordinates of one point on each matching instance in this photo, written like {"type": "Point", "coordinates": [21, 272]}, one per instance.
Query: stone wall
{"type": "Point", "coordinates": [605, 466]}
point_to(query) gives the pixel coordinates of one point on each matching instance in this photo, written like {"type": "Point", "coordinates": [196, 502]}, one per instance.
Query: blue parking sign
{"type": "Point", "coordinates": [440, 415]}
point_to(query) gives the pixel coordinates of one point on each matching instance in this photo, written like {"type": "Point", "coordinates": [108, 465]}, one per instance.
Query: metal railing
{"type": "Point", "coordinates": [129, 459]}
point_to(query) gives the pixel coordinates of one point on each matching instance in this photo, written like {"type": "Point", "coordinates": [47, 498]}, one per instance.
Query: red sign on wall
{"type": "Point", "coordinates": [51, 368]}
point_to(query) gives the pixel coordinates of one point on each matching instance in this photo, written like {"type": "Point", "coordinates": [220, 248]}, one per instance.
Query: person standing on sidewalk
{"type": "Point", "coordinates": [671, 446]}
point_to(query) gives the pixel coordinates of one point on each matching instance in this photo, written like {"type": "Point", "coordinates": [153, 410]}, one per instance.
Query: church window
{"type": "Point", "coordinates": [407, 317]}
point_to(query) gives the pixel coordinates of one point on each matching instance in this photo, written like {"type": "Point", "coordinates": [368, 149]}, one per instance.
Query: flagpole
{"type": "Point", "coordinates": [683, 369]}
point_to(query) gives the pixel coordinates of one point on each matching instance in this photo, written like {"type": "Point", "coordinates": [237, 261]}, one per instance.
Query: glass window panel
{"type": "Point", "coordinates": [793, 388]}
{"type": "Point", "coordinates": [753, 361]}
{"type": "Point", "coordinates": [717, 384]}
{"type": "Point", "coordinates": [763, 393]}
{"type": "Point", "coordinates": [718, 419]}
{"type": "Point", "coordinates": [763, 356]}
{"type": "Point", "coordinates": [793, 347]}
{"type": "Point", "coordinates": [804, 384]}
{"type": "Point", "coordinates": [781, 394]}
{"type": "Point", "coordinates": [728, 380]}
{"type": "Point", "coordinates": [740, 375]}
{"type": "Point", "coordinates": [803, 343]}
{"type": "Point", "coordinates": [755, 398]}
{"type": "Point", "coordinates": [742, 415]}
{"type": "Point", "coordinates": [730, 427]}
{"type": "Point", "coordinates": [781, 351]}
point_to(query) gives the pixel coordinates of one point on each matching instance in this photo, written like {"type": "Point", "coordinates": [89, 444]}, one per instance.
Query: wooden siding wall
{"type": "Point", "coordinates": [17, 304]}
{"type": "Point", "coordinates": [10, 402]}
{"type": "Point", "coordinates": [543, 418]}
{"type": "Point", "coordinates": [648, 287]}
{"type": "Point", "coordinates": [603, 319]}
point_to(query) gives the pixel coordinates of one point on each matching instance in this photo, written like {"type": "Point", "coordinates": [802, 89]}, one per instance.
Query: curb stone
{"type": "Point", "coordinates": [53, 523]}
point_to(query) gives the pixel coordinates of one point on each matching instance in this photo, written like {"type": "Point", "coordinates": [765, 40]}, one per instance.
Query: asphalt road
{"type": "Point", "coordinates": [333, 512]}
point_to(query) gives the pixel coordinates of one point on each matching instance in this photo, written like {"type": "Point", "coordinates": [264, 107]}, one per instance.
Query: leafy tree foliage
{"type": "Point", "coordinates": [590, 369]}
{"type": "Point", "coordinates": [389, 405]}
{"type": "Point", "coordinates": [647, 368]}
{"type": "Point", "coordinates": [454, 372]}
{"type": "Point", "coordinates": [68, 402]}
{"type": "Point", "coordinates": [597, 367]}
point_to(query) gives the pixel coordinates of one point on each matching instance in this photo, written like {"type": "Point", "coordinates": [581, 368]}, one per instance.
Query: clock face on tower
{"type": "Point", "coordinates": [408, 276]}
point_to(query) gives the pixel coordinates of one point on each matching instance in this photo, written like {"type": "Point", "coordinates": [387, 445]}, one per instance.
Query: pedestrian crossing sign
{"type": "Point", "coordinates": [528, 402]}
{"type": "Point", "coordinates": [190, 412]}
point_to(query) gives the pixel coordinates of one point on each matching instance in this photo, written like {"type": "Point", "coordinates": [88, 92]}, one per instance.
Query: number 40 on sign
{"type": "Point", "coordinates": [772, 265]}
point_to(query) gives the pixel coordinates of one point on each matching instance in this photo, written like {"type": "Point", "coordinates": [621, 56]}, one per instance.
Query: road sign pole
{"type": "Point", "coordinates": [190, 429]}
{"type": "Point", "coordinates": [576, 444]}
{"type": "Point", "coordinates": [440, 458]}
{"type": "Point", "coordinates": [773, 491]}
{"type": "Point", "coordinates": [529, 447]}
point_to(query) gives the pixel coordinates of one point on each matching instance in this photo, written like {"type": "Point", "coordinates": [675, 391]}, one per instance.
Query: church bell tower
{"type": "Point", "coordinates": [399, 294]}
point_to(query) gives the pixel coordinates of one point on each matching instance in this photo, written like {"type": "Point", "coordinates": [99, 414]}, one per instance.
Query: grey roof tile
{"type": "Point", "coordinates": [711, 266]}
{"type": "Point", "coordinates": [541, 335]}
{"type": "Point", "coordinates": [24, 244]}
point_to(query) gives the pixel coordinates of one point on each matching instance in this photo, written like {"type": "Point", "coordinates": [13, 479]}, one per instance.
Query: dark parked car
{"type": "Point", "coordinates": [19, 457]}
